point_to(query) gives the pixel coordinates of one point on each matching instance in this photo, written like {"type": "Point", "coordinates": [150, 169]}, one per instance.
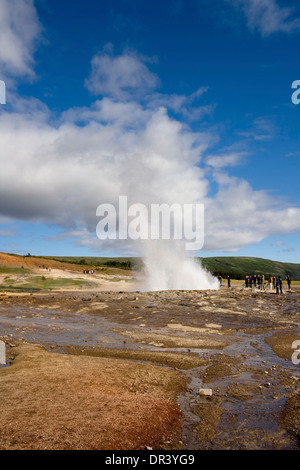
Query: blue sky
{"type": "Point", "coordinates": [159, 100]}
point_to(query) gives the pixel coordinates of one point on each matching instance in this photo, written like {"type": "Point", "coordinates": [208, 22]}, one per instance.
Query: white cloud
{"type": "Point", "coordinates": [268, 17]}
{"type": "Point", "coordinates": [61, 174]}
{"type": "Point", "coordinates": [19, 31]}
{"type": "Point", "coordinates": [262, 129]}
{"type": "Point", "coordinates": [110, 111]}
{"type": "Point", "coordinates": [229, 159]}
{"type": "Point", "coordinates": [121, 77]}
{"type": "Point", "coordinates": [183, 105]}
{"type": "Point", "coordinates": [125, 80]}
{"type": "Point", "coordinates": [239, 215]}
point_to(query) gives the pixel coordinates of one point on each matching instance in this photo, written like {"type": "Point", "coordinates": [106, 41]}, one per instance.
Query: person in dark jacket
{"type": "Point", "coordinates": [280, 284]}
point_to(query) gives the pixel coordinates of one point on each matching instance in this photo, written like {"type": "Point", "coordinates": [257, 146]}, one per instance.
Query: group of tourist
{"type": "Point", "coordinates": [47, 269]}
{"type": "Point", "coordinates": [272, 282]}
{"type": "Point", "coordinates": [258, 281]}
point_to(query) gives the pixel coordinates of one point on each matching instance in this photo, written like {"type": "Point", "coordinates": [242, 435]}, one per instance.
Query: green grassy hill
{"type": "Point", "coordinates": [239, 267]}
{"type": "Point", "coordinates": [236, 267]}
{"type": "Point", "coordinates": [121, 263]}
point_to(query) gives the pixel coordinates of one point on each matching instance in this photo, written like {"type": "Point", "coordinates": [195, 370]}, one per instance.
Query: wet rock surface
{"type": "Point", "coordinates": [236, 342]}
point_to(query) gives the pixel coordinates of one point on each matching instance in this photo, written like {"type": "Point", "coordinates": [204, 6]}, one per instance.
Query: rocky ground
{"type": "Point", "coordinates": [123, 370]}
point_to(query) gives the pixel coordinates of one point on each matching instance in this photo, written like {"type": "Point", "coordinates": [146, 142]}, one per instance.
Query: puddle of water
{"type": "Point", "coordinates": [62, 328]}
{"type": "Point", "coordinates": [2, 366]}
{"type": "Point", "coordinates": [248, 421]}
{"type": "Point", "coordinates": [186, 402]}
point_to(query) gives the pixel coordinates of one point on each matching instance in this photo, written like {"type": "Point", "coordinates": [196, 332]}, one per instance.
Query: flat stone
{"type": "Point", "coordinates": [205, 391]}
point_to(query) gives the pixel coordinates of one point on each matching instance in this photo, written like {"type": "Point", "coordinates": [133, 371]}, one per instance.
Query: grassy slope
{"type": "Point", "coordinates": [122, 262]}
{"type": "Point", "coordinates": [38, 283]}
{"type": "Point", "coordinates": [236, 267]}
{"type": "Point", "coordinates": [239, 267]}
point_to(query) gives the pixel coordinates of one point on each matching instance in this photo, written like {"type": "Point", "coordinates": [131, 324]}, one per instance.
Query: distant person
{"type": "Point", "coordinates": [228, 280]}
{"type": "Point", "coordinates": [274, 282]}
{"type": "Point", "coordinates": [280, 284]}
{"type": "Point", "coordinates": [254, 280]}
{"type": "Point", "coordinates": [220, 280]}
{"type": "Point", "coordinates": [250, 281]}
{"type": "Point", "coordinates": [289, 281]}
{"type": "Point", "coordinates": [246, 281]}
{"type": "Point", "coordinates": [263, 282]}
{"type": "Point", "coordinates": [269, 285]}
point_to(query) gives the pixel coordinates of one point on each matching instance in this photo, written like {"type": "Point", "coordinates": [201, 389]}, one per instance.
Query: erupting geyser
{"type": "Point", "coordinates": [157, 202]}
{"type": "Point", "coordinates": [168, 267]}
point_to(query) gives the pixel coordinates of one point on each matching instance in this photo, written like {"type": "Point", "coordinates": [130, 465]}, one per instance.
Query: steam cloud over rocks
{"type": "Point", "coordinates": [169, 268]}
